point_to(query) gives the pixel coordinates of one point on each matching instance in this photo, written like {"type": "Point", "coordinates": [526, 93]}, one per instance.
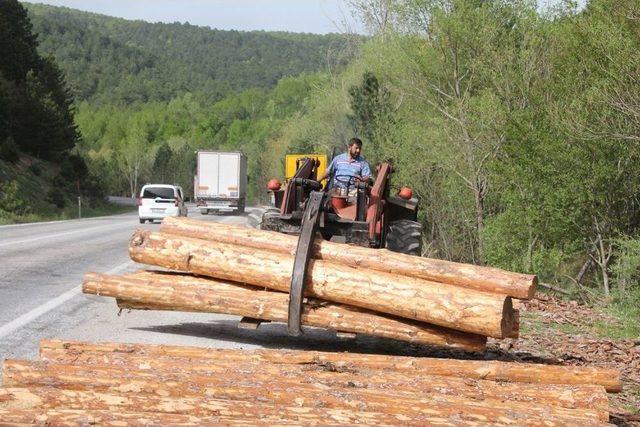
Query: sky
{"type": "Point", "coordinates": [300, 16]}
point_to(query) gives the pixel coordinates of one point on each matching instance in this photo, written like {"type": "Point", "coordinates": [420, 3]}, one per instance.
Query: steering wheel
{"type": "Point", "coordinates": [346, 180]}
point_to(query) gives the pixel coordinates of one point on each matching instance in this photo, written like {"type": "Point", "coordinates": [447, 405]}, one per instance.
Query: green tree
{"type": "Point", "coordinates": [35, 105]}
{"type": "Point", "coordinates": [372, 115]}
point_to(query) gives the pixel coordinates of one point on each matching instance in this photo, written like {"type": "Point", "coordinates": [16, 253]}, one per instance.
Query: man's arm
{"type": "Point", "coordinates": [328, 171]}
{"type": "Point", "coordinates": [366, 172]}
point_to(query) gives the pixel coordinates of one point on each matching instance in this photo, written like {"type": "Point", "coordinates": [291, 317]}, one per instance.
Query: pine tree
{"type": "Point", "coordinates": [36, 113]}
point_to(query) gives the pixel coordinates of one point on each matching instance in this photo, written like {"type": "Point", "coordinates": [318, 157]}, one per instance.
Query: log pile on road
{"type": "Point", "coordinates": [78, 383]}
{"type": "Point", "coordinates": [221, 268]}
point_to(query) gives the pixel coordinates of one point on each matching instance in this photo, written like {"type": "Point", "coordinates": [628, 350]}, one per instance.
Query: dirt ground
{"type": "Point", "coordinates": [560, 332]}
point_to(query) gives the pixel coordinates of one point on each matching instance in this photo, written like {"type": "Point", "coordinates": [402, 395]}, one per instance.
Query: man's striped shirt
{"type": "Point", "coordinates": [341, 165]}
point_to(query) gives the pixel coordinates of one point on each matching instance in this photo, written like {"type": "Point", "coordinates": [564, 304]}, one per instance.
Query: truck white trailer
{"type": "Point", "coordinates": [221, 182]}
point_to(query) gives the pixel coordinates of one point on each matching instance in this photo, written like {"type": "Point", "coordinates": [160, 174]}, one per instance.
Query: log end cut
{"type": "Point", "coordinates": [510, 320]}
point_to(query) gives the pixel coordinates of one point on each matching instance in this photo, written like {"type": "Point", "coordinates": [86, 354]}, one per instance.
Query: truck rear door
{"type": "Point", "coordinates": [229, 174]}
{"type": "Point", "coordinates": [208, 175]}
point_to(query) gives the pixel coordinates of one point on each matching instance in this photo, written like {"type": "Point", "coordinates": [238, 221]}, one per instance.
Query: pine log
{"type": "Point", "coordinates": [486, 279]}
{"type": "Point", "coordinates": [70, 351]}
{"type": "Point", "coordinates": [181, 292]}
{"type": "Point", "coordinates": [362, 392]}
{"type": "Point", "coordinates": [52, 398]}
{"type": "Point", "coordinates": [78, 417]}
{"type": "Point", "coordinates": [75, 417]}
{"type": "Point", "coordinates": [449, 306]}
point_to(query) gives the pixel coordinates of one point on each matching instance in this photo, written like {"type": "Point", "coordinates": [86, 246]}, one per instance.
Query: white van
{"type": "Point", "coordinates": [157, 201]}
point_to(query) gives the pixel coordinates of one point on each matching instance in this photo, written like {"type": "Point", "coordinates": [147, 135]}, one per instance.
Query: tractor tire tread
{"type": "Point", "coordinates": [405, 236]}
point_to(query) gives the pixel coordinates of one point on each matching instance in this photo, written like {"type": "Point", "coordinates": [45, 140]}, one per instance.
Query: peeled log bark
{"type": "Point", "coordinates": [180, 292]}
{"type": "Point", "coordinates": [50, 398]}
{"type": "Point", "coordinates": [436, 303]}
{"type": "Point", "coordinates": [361, 392]}
{"type": "Point", "coordinates": [41, 397]}
{"type": "Point", "coordinates": [78, 417]}
{"type": "Point", "coordinates": [70, 351]}
{"type": "Point", "coordinates": [486, 279]}
{"type": "Point", "coordinates": [75, 417]}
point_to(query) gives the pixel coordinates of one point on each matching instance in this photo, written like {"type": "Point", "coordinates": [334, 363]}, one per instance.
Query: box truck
{"type": "Point", "coordinates": [221, 182]}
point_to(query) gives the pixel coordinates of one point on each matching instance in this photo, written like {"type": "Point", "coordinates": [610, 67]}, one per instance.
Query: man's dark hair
{"type": "Point", "coordinates": [355, 141]}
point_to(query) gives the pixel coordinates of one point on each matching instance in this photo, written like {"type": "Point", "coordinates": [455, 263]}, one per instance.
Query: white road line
{"type": "Point", "coordinates": [50, 236]}
{"type": "Point", "coordinates": [30, 316]}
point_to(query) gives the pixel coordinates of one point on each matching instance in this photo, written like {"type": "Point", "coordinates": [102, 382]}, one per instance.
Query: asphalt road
{"type": "Point", "coordinates": [41, 271]}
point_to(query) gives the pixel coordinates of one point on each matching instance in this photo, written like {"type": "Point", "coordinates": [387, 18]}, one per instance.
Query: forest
{"type": "Point", "coordinates": [116, 61]}
{"type": "Point", "coordinates": [517, 127]}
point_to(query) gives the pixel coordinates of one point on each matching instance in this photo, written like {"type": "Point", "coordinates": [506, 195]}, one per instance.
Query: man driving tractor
{"type": "Point", "coordinates": [355, 210]}
{"type": "Point", "coordinates": [348, 167]}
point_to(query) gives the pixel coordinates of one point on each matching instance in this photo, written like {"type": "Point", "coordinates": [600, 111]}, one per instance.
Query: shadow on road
{"type": "Point", "coordinates": [274, 335]}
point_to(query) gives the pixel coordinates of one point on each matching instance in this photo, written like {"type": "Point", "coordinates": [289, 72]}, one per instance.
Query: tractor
{"type": "Point", "coordinates": [360, 213]}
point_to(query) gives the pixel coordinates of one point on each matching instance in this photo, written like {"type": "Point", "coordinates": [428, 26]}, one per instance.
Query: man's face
{"type": "Point", "coordinates": [354, 150]}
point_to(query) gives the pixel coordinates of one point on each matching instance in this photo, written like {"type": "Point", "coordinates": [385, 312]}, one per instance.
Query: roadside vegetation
{"type": "Point", "coordinates": [518, 128]}
{"type": "Point", "coordinates": [31, 190]}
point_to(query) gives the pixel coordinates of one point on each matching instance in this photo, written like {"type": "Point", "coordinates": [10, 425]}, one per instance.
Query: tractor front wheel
{"type": "Point", "coordinates": [405, 236]}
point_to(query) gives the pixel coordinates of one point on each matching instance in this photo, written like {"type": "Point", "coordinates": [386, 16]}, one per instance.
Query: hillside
{"type": "Point", "coordinates": [113, 60]}
{"type": "Point", "coordinates": [34, 190]}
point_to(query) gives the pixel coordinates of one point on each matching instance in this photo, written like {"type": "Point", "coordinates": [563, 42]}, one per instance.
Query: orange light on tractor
{"type": "Point", "coordinates": [405, 193]}
{"type": "Point", "coordinates": [273, 185]}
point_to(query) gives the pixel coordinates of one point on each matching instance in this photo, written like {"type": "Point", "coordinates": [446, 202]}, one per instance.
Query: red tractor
{"type": "Point", "coordinates": [360, 213]}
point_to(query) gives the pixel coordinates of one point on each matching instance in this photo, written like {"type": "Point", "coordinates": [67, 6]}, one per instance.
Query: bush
{"type": "Point", "coordinates": [10, 201]}
{"type": "Point", "coordinates": [94, 189]}
{"type": "Point", "coordinates": [626, 268]}
{"type": "Point", "coordinates": [56, 196]}
{"type": "Point", "coordinates": [73, 168]}
{"type": "Point", "coordinates": [35, 169]}
{"type": "Point", "coordinates": [9, 150]}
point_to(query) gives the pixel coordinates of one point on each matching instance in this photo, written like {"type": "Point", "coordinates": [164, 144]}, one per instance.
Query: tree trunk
{"type": "Point", "coordinates": [180, 292]}
{"type": "Point", "coordinates": [163, 356]}
{"type": "Point", "coordinates": [436, 303]}
{"type": "Point", "coordinates": [51, 398]}
{"type": "Point", "coordinates": [604, 252]}
{"type": "Point", "coordinates": [487, 279]}
{"type": "Point", "coordinates": [135, 183]}
{"type": "Point", "coordinates": [478, 193]}
{"type": "Point", "coordinates": [583, 270]}
{"type": "Point", "coordinates": [355, 390]}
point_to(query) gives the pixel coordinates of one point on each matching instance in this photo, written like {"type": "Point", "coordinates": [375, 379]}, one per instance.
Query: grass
{"type": "Point", "coordinates": [617, 318]}
{"type": "Point", "coordinates": [626, 310]}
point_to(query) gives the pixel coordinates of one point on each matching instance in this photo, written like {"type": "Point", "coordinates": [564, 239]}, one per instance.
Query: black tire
{"type": "Point", "coordinates": [265, 224]}
{"type": "Point", "coordinates": [142, 221]}
{"type": "Point", "coordinates": [405, 236]}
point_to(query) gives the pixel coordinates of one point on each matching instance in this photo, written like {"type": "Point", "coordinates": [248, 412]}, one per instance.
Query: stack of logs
{"type": "Point", "coordinates": [241, 271]}
{"type": "Point", "coordinates": [121, 384]}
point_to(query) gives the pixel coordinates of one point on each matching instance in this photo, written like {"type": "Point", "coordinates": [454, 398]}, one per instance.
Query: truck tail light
{"type": "Point", "coordinates": [139, 201]}
{"type": "Point", "coordinates": [176, 202]}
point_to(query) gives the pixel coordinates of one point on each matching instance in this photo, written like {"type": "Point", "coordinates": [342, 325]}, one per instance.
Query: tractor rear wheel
{"type": "Point", "coordinates": [257, 216]}
{"type": "Point", "coordinates": [405, 236]}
